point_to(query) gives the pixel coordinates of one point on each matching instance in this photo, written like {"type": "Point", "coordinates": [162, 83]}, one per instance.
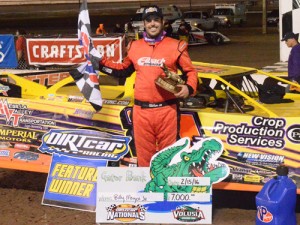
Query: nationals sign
{"type": "Point", "coordinates": [67, 51]}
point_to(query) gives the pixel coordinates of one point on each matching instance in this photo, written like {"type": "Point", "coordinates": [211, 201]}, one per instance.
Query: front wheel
{"type": "Point", "coordinates": [217, 39]}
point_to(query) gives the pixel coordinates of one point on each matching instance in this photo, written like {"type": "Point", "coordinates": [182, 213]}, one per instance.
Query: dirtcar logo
{"type": "Point", "coordinates": [85, 143]}
{"type": "Point", "coordinates": [188, 214]}
{"type": "Point", "coordinates": [126, 212]}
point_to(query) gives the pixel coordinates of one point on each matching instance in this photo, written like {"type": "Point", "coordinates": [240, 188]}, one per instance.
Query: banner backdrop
{"type": "Point", "coordinates": [8, 57]}
{"type": "Point", "coordinates": [67, 51]}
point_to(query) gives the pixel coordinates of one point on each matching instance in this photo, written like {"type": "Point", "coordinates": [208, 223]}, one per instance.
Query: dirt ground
{"type": "Point", "coordinates": [21, 192]}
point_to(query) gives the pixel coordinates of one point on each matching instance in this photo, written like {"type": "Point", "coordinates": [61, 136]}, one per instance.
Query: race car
{"type": "Point", "coordinates": [198, 36]}
{"type": "Point", "coordinates": [247, 109]}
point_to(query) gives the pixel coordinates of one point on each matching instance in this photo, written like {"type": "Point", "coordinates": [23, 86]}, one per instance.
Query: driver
{"type": "Point", "coordinates": [155, 111]}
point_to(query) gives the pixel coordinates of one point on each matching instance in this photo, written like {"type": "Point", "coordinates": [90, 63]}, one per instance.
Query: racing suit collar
{"type": "Point", "coordinates": [154, 40]}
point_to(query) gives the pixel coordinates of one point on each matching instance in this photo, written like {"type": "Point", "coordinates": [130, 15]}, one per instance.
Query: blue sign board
{"type": "Point", "coordinates": [8, 57]}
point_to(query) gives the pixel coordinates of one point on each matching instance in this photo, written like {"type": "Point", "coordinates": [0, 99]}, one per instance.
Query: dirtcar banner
{"type": "Point", "coordinates": [67, 51]}
{"type": "Point", "coordinates": [175, 189]}
{"type": "Point", "coordinates": [8, 57]}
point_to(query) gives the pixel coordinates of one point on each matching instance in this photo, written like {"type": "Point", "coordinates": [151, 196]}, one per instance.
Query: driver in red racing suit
{"type": "Point", "coordinates": [156, 111]}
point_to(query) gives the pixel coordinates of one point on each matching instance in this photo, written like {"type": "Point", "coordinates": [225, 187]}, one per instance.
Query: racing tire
{"type": "Point", "coordinates": [217, 39]}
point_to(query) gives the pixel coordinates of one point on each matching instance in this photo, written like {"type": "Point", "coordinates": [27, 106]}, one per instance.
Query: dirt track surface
{"type": "Point", "coordinates": [21, 192]}
{"type": "Point", "coordinates": [248, 47]}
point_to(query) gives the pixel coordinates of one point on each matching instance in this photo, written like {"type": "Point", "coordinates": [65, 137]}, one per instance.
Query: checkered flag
{"type": "Point", "coordinates": [85, 75]}
{"type": "Point", "coordinates": [142, 208]}
{"type": "Point", "coordinates": [111, 208]}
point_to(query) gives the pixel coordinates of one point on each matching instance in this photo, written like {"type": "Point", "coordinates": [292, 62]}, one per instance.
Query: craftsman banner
{"type": "Point", "coordinates": [68, 51]}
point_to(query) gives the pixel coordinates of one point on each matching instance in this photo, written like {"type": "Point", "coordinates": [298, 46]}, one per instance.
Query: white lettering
{"type": "Point", "coordinates": [110, 50]}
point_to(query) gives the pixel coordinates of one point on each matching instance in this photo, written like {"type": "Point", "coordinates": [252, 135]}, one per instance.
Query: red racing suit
{"type": "Point", "coordinates": [155, 112]}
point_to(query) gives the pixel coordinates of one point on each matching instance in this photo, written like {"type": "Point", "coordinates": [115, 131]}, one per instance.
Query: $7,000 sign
{"type": "Point", "coordinates": [121, 197]}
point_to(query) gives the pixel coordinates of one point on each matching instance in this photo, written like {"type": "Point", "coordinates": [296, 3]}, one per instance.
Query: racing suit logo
{"type": "Point", "coordinates": [147, 61]}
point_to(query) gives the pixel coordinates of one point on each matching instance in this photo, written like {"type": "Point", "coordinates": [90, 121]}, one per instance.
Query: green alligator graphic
{"type": "Point", "coordinates": [200, 162]}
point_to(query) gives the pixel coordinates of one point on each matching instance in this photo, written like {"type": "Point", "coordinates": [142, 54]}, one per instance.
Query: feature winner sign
{"type": "Point", "coordinates": [67, 51]}
{"type": "Point", "coordinates": [76, 155]}
{"type": "Point", "coordinates": [175, 189]}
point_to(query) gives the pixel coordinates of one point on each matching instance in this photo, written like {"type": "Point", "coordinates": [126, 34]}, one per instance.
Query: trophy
{"type": "Point", "coordinates": [170, 81]}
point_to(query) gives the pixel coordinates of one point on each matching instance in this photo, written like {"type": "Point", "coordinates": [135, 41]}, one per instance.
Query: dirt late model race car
{"type": "Point", "coordinates": [198, 36]}
{"type": "Point", "coordinates": [247, 109]}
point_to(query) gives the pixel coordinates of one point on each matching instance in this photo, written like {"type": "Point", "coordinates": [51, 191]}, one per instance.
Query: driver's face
{"type": "Point", "coordinates": [153, 26]}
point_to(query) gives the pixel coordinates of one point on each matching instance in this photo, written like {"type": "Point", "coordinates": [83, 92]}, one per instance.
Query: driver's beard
{"type": "Point", "coordinates": [153, 38]}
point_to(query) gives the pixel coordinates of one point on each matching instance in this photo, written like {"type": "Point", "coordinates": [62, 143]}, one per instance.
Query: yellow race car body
{"type": "Point", "coordinates": [257, 136]}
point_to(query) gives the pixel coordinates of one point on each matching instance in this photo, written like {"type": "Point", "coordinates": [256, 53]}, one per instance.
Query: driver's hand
{"type": "Point", "coordinates": [294, 88]}
{"type": "Point", "coordinates": [184, 91]}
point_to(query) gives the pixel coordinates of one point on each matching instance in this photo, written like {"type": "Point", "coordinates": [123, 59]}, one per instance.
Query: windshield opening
{"type": "Point", "coordinates": [223, 12]}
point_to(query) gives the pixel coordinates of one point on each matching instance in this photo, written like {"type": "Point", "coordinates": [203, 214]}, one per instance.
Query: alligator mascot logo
{"type": "Point", "coordinates": [179, 160]}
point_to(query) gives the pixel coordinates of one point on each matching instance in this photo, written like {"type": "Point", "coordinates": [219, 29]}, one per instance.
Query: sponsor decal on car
{"type": "Point", "coordinates": [252, 178]}
{"type": "Point", "coordinates": [260, 159]}
{"type": "Point", "coordinates": [4, 153]}
{"type": "Point", "coordinates": [13, 112]}
{"type": "Point", "coordinates": [237, 177]}
{"type": "Point", "coordinates": [17, 135]}
{"type": "Point", "coordinates": [115, 102]}
{"type": "Point", "coordinates": [75, 98]}
{"type": "Point", "coordinates": [240, 170]}
{"type": "Point", "coordinates": [263, 132]}
{"type": "Point", "coordinates": [22, 146]}
{"type": "Point", "coordinates": [293, 133]}
{"type": "Point", "coordinates": [47, 79]}
{"type": "Point", "coordinates": [26, 156]}
{"type": "Point", "coordinates": [84, 113]}
{"type": "Point", "coordinates": [85, 143]}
